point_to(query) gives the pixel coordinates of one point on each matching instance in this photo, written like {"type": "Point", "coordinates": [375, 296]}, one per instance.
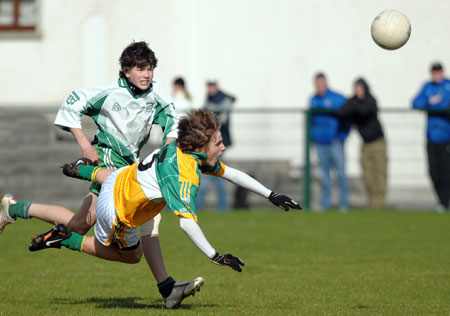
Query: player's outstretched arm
{"type": "Point", "coordinates": [85, 169]}
{"type": "Point", "coordinates": [244, 180]}
{"type": "Point", "coordinates": [195, 234]}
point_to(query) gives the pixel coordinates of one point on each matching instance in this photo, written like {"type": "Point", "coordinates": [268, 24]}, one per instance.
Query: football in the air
{"type": "Point", "coordinates": [391, 29]}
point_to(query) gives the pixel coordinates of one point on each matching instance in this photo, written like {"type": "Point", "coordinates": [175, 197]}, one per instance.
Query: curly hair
{"type": "Point", "coordinates": [137, 54]}
{"type": "Point", "coordinates": [196, 130]}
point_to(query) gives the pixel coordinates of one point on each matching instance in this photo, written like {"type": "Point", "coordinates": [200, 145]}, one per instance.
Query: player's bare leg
{"type": "Point", "coordinates": [172, 292]}
{"type": "Point", "coordinates": [85, 218]}
{"type": "Point", "coordinates": [60, 235]}
{"type": "Point", "coordinates": [79, 222]}
{"type": "Point", "coordinates": [50, 213]}
{"type": "Point", "coordinates": [152, 248]}
{"type": "Point", "coordinates": [12, 209]}
{"type": "Point", "coordinates": [93, 247]}
{"type": "Point", "coordinates": [153, 255]}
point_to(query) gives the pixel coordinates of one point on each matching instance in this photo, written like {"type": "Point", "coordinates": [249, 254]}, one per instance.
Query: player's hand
{"type": "Point", "coordinates": [90, 153]}
{"type": "Point", "coordinates": [72, 170]}
{"type": "Point", "coordinates": [284, 202]}
{"type": "Point", "coordinates": [228, 260]}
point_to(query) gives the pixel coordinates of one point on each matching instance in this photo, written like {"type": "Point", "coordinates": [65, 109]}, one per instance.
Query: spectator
{"type": "Point", "coordinates": [328, 134]}
{"type": "Point", "coordinates": [220, 104]}
{"type": "Point", "coordinates": [362, 111]}
{"type": "Point", "coordinates": [434, 98]}
{"type": "Point", "coordinates": [181, 97]}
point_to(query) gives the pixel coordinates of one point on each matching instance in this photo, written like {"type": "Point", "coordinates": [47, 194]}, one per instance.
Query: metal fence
{"type": "Point", "coordinates": [270, 144]}
{"type": "Point", "coordinates": [281, 135]}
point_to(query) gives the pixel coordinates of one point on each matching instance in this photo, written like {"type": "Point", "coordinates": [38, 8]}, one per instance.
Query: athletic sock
{"type": "Point", "coordinates": [94, 174]}
{"type": "Point", "coordinates": [165, 287]}
{"type": "Point", "coordinates": [20, 209]}
{"type": "Point", "coordinates": [85, 172]}
{"type": "Point", "coordinates": [75, 242]}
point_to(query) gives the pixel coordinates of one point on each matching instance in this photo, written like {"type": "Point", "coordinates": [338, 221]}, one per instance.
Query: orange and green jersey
{"type": "Point", "coordinates": [167, 176]}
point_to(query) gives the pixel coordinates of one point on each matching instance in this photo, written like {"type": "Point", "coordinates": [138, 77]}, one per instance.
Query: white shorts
{"type": "Point", "coordinates": [109, 230]}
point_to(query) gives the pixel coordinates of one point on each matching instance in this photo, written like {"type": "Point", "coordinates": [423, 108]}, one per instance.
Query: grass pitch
{"type": "Point", "coordinates": [359, 263]}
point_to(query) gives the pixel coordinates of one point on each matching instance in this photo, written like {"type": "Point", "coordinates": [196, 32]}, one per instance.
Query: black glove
{"type": "Point", "coordinates": [71, 169]}
{"type": "Point", "coordinates": [228, 260]}
{"type": "Point", "coordinates": [283, 202]}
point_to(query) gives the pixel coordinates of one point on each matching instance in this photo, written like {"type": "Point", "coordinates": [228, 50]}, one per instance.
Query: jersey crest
{"type": "Point", "coordinates": [116, 107]}
{"type": "Point", "coordinates": [73, 97]}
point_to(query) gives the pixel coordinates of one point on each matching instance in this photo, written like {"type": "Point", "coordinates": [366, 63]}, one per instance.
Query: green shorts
{"type": "Point", "coordinates": [108, 159]}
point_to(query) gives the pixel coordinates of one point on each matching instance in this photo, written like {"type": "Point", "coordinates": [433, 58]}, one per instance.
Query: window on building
{"type": "Point", "coordinates": [18, 15]}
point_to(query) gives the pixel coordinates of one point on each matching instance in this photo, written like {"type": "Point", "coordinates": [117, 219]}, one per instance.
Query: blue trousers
{"type": "Point", "coordinates": [208, 181]}
{"type": "Point", "coordinates": [332, 156]}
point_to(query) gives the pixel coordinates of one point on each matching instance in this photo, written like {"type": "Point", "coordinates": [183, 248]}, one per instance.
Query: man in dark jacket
{"type": "Point", "coordinates": [362, 111]}
{"type": "Point", "coordinates": [434, 97]}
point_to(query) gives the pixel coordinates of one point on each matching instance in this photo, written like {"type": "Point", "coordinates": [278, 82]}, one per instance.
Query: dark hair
{"type": "Point", "coordinates": [364, 84]}
{"type": "Point", "coordinates": [196, 130]}
{"type": "Point", "coordinates": [137, 54]}
{"type": "Point", "coordinates": [179, 81]}
{"type": "Point", "coordinates": [436, 66]}
{"type": "Point", "coordinates": [320, 75]}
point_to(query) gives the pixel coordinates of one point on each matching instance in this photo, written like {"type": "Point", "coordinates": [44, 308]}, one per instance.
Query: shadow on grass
{"type": "Point", "coordinates": [111, 302]}
{"type": "Point", "coordinates": [122, 302]}
{"type": "Point", "coordinates": [361, 307]}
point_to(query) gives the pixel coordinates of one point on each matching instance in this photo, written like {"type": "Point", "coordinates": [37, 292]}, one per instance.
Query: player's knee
{"type": "Point", "coordinates": [80, 228]}
{"type": "Point", "coordinates": [134, 256]}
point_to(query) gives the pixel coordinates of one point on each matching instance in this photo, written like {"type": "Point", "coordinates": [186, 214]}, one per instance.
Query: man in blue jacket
{"type": "Point", "coordinates": [434, 98]}
{"type": "Point", "coordinates": [328, 134]}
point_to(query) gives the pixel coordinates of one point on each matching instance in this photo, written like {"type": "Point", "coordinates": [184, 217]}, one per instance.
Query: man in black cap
{"type": "Point", "coordinates": [434, 98]}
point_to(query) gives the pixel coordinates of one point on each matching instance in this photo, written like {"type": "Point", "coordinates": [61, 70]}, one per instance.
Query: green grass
{"type": "Point", "coordinates": [359, 263]}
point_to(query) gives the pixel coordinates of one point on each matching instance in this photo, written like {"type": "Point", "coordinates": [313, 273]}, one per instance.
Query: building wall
{"type": "Point", "coordinates": [264, 51]}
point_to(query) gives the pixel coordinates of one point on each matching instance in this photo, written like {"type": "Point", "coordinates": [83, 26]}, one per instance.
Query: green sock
{"type": "Point", "coordinates": [85, 172]}
{"type": "Point", "coordinates": [75, 242]}
{"type": "Point", "coordinates": [20, 209]}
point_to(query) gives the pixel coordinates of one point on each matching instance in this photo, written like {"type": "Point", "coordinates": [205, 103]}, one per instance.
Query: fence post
{"type": "Point", "coordinates": [307, 166]}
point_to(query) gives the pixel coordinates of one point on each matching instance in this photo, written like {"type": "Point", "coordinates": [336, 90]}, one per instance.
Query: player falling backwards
{"type": "Point", "coordinates": [131, 196]}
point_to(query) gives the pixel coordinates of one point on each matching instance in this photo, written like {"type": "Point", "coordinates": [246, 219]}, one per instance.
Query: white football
{"type": "Point", "coordinates": [391, 29]}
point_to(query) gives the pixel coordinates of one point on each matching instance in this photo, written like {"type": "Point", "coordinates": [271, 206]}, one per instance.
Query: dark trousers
{"type": "Point", "coordinates": [439, 168]}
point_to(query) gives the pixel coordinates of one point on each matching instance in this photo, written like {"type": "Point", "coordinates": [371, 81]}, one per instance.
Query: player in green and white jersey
{"type": "Point", "coordinates": [124, 113]}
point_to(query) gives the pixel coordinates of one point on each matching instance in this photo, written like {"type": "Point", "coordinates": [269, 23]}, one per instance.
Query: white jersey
{"type": "Point", "coordinates": [124, 121]}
